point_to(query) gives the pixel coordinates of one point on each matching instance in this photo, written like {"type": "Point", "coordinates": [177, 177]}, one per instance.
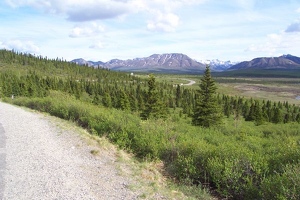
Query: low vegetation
{"type": "Point", "coordinates": [253, 153]}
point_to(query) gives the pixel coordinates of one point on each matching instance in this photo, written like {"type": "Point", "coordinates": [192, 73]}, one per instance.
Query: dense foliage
{"type": "Point", "coordinates": [238, 159]}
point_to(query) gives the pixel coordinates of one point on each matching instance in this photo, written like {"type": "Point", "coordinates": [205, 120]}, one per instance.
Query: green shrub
{"type": "Point", "coordinates": [282, 186]}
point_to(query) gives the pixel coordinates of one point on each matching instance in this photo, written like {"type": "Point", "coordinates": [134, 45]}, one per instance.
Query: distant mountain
{"type": "Point", "coordinates": [81, 61]}
{"type": "Point", "coordinates": [218, 65]}
{"type": "Point", "coordinates": [292, 58]}
{"type": "Point", "coordinates": [174, 62]}
{"type": "Point", "coordinates": [282, 62]}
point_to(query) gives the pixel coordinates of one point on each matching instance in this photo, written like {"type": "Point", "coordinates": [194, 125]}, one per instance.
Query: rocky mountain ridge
{"type": "Point", "coordinates": [181, 63]}
{"type": "Point", "coordinates": [282, 62]}
{"type": "Point", "coordinates": [175, 62]}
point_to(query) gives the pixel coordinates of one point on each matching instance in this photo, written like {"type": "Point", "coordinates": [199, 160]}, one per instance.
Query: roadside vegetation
{"type": "Point", "coordinates": [252, 152]}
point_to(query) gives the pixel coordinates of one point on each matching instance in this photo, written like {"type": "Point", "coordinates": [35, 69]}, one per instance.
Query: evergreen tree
{"type": "Point", "coordinates": [187, 102]}
{"type": "Point", "coordinates": [251, 113]}
{"type": "Point", "coordinates": [287, 118]}
{"type": "Point", "coordinates": [134, 104]}
{"type": "Point", "coordinates": [258, 114]}
{"type": "Point", "coordinates": [245, 109]}
{"type": "Point", "coordinates": [298, 118]}
{"type": "Point", "coordinates": [227, 107]}
{"type": "Point", "coordinates": [124, 102]}
{"type": "Point", "coordinates": [154, 107]}
{"type": "Point", "coordinates": [106, 100]}
{"type": "Point", "coordinates": [178, 96]}
{"type": "Point", "coordinates": [277, 117]}
{"type": "Point", "coordinates": [207, 111]}
{"type": "Point", "coordinates": [269, 110]}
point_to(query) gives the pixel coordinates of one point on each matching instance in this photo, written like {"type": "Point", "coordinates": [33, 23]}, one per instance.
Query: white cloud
{"type": "Point", "coordinates": [163, 22]}
{"type": "Point", "coordinates": [22, 46]}
{"type": "Point", "coordinates": [161, 13]}
{"type": "Point", "coordinates": [92, 10]}
{"type": "Point", "coordinates": [78, 10]}
{"type": "Point", "coordinates": [277, 44]}
{"type": "Point", "coordinates": [86, 30]}
{"type": "Point", "coordinates": [294, 27]}
{"type": "Point", "coordinates": [269, 47]}
{"type": "Point", "coordinates": [97, 45]}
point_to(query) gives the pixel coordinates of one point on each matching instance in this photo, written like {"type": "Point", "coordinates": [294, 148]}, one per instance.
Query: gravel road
{"type": "Point", "coordinates": [39, 160]}
{"type": "Point", "coordinates": [191, 82]}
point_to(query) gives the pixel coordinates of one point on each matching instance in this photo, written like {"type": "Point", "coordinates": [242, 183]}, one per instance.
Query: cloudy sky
{"type": "Point", "coordinates": [96, 30]}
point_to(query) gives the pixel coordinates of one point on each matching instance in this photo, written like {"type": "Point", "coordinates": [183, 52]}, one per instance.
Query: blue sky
{"type": "Point", "coordinates": [235, 30]}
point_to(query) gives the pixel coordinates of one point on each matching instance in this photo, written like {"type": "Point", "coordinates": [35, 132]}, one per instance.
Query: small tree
{"type": "Point", "coordinates": [207, 111]}
{"type": "Point", "coordinates": [178, 96]}
{"type": "Point", "coordinates": [278, 116]}
{"type": "Point", "coordinates": [154, 106]}
{"type": "Point", "coordinates": [106, 100]}
{"type": "Point", "coordinates": [124, 102]}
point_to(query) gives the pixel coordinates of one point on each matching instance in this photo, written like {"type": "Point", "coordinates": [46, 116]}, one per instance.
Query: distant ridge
{"type": "Point", "coordinates": [81, 61]}
{"type": "Point", "coordinates": [156, 62]}
{"type": "Point", "coordinates": [169, 62]}
{"type": "Point", "coordinates": [286, 62]}
{"type": "Point", "coordinates": [181, 63]}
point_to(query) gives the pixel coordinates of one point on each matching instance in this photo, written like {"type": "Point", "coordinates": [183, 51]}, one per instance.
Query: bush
{"type": "Point", "coordinates": [282, 186]}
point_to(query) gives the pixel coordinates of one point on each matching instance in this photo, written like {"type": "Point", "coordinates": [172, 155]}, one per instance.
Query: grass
{"type": "Point", "coordinates": [153, 182]}
{"type": "Point", "coordinates": [94, 152]}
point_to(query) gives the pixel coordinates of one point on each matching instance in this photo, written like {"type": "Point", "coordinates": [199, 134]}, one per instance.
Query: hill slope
{"type": "Point", "coordinates": [283, 62]}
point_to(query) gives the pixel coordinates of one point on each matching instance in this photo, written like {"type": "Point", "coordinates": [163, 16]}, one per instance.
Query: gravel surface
{"type": "Point", "coordinates": [39, 160]}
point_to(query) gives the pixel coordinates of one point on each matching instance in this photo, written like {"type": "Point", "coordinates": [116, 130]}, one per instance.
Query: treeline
{"type": "Point", "coordinates": [260, 111]}
{"type": "Point", "coordinates": [24, 63]}
{"type": "Point", "coordinates": [132, 94]}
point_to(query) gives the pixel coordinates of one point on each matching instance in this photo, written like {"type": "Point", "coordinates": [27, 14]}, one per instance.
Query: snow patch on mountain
{"type": "Point", "coordinates": [218, 65]}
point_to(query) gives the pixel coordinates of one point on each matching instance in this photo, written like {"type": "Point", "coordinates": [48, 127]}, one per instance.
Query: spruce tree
{"type": "Point", "coordinates": [124, 102]}
{"type": "Point", "coordinates": [207, 111]}
{"type": "Point", "coordinates": [277, 117]}
{"type": "Point", "coordinates": [251, 113]}
{"type": "Point", "coordinates": [258, 114]}
{"type": "Point", "coordinates": [154, 106]}
{"type": "Point", "coordinates": [178, 96]}
{"type": "Point", "coordinates": [106, 100]}
{"type": "Point", "coordinates": [298, 118]}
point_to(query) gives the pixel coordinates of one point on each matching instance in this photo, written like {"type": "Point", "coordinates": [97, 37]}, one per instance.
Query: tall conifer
{"type": "Point", "coordinates": [207, 111]}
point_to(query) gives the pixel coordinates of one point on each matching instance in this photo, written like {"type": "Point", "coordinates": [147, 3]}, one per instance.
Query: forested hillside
{"type": "Point", "coordinates": [253, 153]}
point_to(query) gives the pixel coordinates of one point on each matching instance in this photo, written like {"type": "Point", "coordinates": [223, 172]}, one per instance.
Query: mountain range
{"type": "Point", "coordinates": [286, 62]}
{"type": "Point", "coordinates": [173, 62]}
{"type": "Point", "coordinates": [181, 63]}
